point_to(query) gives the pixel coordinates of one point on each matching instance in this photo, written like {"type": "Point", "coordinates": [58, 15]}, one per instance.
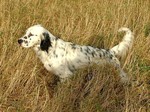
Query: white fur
{"type": "Point", "coordinates": [63, 58]}
{"type": "Point", "coordinates": [123, 47]}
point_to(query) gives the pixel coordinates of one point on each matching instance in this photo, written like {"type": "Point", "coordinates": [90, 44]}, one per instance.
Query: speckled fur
{"type": "Point", "coordinates": [63, 58]}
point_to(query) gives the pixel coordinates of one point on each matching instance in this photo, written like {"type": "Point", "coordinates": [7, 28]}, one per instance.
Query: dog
{"type": "Point", "coordinates": [64, 58]}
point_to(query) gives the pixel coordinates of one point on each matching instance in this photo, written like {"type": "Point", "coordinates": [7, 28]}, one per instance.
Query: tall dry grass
{"type": "Point", "coordinates": [25, 85]}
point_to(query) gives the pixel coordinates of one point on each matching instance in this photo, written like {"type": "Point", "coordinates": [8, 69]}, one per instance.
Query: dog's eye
{"type": "Point", "coordinates": [30, 34]}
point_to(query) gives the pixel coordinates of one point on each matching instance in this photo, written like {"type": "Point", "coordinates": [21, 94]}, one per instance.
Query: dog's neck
{"type": "Point", "coordinates": [37, 48]}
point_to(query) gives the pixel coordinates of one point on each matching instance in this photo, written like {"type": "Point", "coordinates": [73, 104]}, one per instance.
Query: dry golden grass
{"type": "Point", "coordinates": [25, 85]}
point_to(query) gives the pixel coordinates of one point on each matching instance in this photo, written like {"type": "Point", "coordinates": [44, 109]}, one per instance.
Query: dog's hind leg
{"type": "Point", "coordinates": [123, 75]}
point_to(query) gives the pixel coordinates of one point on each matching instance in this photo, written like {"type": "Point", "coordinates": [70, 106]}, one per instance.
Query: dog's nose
{"type": "Point", "coordinates": [20, 41]}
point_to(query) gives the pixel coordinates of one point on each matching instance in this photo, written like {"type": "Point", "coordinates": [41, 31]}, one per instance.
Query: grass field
{"type": "Point", "coordinates": [26, 86]}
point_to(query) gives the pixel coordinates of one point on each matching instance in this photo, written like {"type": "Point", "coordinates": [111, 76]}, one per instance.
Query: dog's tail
{"type": "Point", "coordinates": [123, 47]}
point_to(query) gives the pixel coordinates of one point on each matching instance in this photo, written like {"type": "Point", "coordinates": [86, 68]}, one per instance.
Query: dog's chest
{"type": "Point", "coordinates": [55, 62]}
{"type": "Point", "coordinates": [59, 66]}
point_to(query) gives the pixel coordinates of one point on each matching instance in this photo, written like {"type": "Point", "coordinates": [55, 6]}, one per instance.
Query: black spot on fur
{"type": "Point", "coordinates": [25, 37]}
{"type": "Point", "coordinates": [30, 34]}
{"type": "Point", "coordinates": [86, 54]}
{"type": "Point", "coordinates": [54, 52]}
{"type": "Point", "coordinates": [25, 41]}
{"type": "Point", "coordinates": [99, 54]}
{"type": "Point", "coordinates": [81, 49]}
{"type": "Point", "coordinates": [57, 38]}
{"type": "Point", "coordinates": [93, 53]}
{"type": "Point", "coordinates": [46, 42]}
{"type": "Point", "coordinates": [73, 46]}
{"type": "Point", "coordinates": [87, 50]}
{"type": "Point", "coordinates": [111, 56]}
{"type": "Point", "coordinates": [72, 68]}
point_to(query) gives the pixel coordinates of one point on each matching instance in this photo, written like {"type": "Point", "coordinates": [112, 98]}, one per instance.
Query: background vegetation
{"type": "Point", "coordinates": [25, 85]}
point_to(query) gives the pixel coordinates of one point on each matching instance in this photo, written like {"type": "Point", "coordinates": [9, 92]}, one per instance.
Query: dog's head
{"type": "Point", "coordinates": [36, 35]}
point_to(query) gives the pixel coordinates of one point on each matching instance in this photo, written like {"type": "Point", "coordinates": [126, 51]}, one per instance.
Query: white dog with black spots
{"type": "Point", "coordinates": [64, 58]}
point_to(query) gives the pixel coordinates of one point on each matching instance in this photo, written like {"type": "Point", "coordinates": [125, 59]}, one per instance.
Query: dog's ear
{"type": "Point", "coordinates": [46, 42]}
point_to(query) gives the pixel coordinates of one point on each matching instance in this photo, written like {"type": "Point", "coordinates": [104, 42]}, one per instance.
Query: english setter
{"type": "Point", "coordinates": [63, 58]}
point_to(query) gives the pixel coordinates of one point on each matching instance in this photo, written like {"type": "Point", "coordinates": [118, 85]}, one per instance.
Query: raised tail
{"type": "Point", "coordinates": [123, 47]}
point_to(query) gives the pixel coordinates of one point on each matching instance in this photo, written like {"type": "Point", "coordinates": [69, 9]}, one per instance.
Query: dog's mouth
{"type": "Point", "coordinates": [19, 45]}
